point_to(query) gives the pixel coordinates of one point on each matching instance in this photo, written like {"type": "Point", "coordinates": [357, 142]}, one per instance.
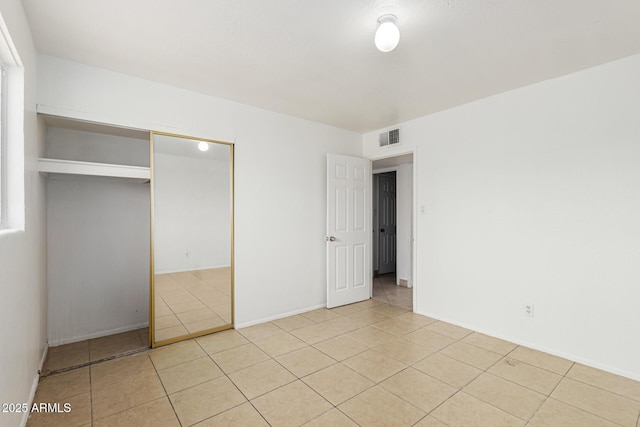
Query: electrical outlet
{"type": "Point", "coordinates": [528, 310]}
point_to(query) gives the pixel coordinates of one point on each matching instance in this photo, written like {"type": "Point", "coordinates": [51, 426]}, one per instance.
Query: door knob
{"type": "Point", "coordinates": [330, 239]}
{"type": "Point", "coordinates": [382, 230]}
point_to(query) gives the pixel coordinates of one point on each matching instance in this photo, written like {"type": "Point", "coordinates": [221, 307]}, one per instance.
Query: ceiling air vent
{"type": "Point", "coordinates": [389, 138]}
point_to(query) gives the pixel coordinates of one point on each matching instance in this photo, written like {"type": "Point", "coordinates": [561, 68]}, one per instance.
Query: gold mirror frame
{"type": "Point", "coordinates": [152, 340]}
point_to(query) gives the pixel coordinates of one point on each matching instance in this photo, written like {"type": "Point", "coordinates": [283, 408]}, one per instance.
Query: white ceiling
{"type": "Point", "coordinates": [316, 59]}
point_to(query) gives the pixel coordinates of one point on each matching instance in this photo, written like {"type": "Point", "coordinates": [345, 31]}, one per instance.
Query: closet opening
{"type": "Point", "coordinates": [96, 180]}
{"type": "Point", "coordinates": [139, 239]}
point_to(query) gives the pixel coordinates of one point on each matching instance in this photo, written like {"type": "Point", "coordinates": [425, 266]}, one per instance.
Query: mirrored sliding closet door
{"type": "Point", "coordinates": [192, 237]}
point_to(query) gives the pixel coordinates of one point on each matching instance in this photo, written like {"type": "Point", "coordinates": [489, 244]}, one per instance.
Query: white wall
{"type": "Point", "coordinates": [280, 170]}
{"type": "Point", "coordinates": [22, 254]}
{"type": "Point", "coordinates": [532, 197]}
{"type": "Point", "coordinates": [98, 256]}
{"type": "Point", "coordinates": [71, 144]}
{"type": "Point", "coordinates": [404, 228]}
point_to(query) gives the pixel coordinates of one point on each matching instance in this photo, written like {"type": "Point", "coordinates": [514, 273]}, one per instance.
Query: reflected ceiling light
{"type": "Point", "coordinates": [203, 146]}
{"type": "Point", "coordinates": [387, 34]}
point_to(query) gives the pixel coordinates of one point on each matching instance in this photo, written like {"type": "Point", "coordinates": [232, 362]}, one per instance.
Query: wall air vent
{"type": "Point", "coordinates": [389, 138]}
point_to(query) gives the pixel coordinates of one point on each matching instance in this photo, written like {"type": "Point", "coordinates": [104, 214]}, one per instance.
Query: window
{"type": "Point", "coordinates": [3, 150]}
{"type": "Point", "coordinates": [11, 133]}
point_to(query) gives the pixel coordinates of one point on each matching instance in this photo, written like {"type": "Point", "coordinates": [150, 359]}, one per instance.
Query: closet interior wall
{"type": "Point", "coordinates": [97, 238]}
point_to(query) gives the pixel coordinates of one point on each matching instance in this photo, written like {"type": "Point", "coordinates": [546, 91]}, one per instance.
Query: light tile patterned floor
{"type": "Point", "coordinates": [366, 364]}
{"type": "Point", "coordinates": [386, 290]}
{"type": "Point", "coordinates": [83, 352]}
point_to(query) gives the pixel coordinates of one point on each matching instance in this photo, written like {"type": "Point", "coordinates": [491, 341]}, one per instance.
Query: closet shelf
{"type": "Point", "coordinates": [95, 169]}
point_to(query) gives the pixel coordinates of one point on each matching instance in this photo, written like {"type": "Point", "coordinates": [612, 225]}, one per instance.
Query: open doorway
{"type": "Point", "coordinates": [392, 219]}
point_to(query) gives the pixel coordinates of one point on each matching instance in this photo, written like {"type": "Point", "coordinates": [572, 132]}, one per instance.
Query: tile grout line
{"type": "Point", "coordinates": [301, 379]}
{"type": "Point", "coordinates": [603, 389]}
{"type": "Point", "coordinates": [297, 378]}
{"type": "Point", "coordinates": [573, 363]}
{"type": "Point", "coordinates": [91, 396]}
{"type": "Point", "coordinates": [564, 376]}
{"type": "Point", "coordinates": [375, 384]}
{"type": "Point", "coordinates": [143, 403]}
{"type": "Point", "coordinates": [165, 390]}
{"type": "Point", "coordinates": [403, 399]}
{"type": "Point", "coordinates": [526, 363]}
{"type": "Point", "coordinates": [585, 411]}
{"type": "Point", "coordinates": [235, 385]}
{"type": "Point", "coordinates": [336, 406]}
{"type": "Point", "coordinates": [548, 396]}
{"type": "Point", "coordinates": [484, 371]}
{"type": "Point", "coordinates": [576, 407]}
{"type": "Point", "coordinates": [573, 406]}
{"type": "Point", "coordinates": [461, 389]}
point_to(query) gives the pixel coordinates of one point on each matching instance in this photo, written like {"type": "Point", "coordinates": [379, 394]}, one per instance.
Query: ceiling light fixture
{"type": "Point", "coordinates": [387, 34]}
{"type": "Point", "coordinates": [203, 146]}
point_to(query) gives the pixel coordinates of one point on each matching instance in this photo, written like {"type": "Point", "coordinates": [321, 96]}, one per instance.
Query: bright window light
{"type": "Point", "coordinates": [11, 134]}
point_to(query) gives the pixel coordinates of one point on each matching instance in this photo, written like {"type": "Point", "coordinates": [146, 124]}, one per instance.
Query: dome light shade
{"type": "Point", "coordinates": [387, 34]}
{"type": "Point", "coordinates": [203, 146]}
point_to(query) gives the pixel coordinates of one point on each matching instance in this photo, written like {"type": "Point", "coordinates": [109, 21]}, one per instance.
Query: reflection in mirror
{"type": "Point", "coordinates": [192, 288]}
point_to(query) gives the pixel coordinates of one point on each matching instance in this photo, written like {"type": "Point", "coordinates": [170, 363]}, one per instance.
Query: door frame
{"type": "Point", "coordinates": [376, 227]}
{"type": "Point", "coordinates": [414, 220]}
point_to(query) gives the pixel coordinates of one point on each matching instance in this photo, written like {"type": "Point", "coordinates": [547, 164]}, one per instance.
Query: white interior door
{"type": "Point", "coordinates": [348, 229]}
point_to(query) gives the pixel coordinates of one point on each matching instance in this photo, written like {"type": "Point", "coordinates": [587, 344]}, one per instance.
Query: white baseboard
{"type": "Point", "coordinates": [43, 358]}
{"type": "Point", "coordinates": [62, 341]}
{"type": "Point", "coordinates": [632, 375]}
{"type": "Point", "coordinates": [404, 283]}
{"type": "Point", "coordinates": [34, 385]}
{"type": "Point", "coordinates": [279, 316]}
